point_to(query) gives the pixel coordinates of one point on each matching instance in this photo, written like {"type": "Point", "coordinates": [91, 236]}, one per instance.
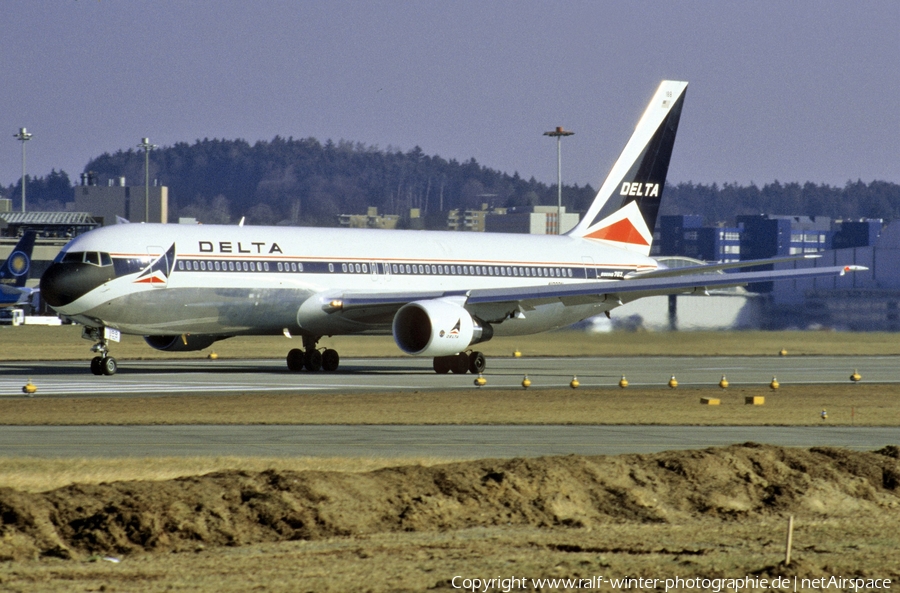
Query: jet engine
{"type": "Point", "coordinates": [183, 343]}
{"type": "Point", "coordinates": [437, 328]}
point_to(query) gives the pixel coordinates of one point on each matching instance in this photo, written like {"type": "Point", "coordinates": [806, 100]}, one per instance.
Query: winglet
{"type": "Point", "coordinates": [625, 209]}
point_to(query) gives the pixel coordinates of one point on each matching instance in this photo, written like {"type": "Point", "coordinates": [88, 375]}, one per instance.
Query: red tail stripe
{"type": "Point", "coordinates": [622, 231]}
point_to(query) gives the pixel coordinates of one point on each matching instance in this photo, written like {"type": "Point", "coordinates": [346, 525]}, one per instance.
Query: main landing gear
{"type": "Point", "coordinates": [312, 359]}
{"type": "Point", "coordinates": [473, 362]}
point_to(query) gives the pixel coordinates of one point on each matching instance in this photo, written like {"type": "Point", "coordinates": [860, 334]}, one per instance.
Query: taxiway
{"type": "Point", "coordinates": [452, 442]}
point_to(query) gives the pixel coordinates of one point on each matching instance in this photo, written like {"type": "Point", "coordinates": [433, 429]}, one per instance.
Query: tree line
{"type": "Point", "coordinates": [306, 182]}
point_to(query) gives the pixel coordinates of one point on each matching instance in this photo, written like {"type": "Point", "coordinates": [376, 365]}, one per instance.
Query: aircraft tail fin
{"type": "Point", "coordinates": [14, 271]}
{"type": "Point", "coordinates": [625, 209]}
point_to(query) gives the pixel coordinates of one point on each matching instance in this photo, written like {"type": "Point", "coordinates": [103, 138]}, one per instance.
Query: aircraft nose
{"type": "Point", "coordinates": [64, 283]}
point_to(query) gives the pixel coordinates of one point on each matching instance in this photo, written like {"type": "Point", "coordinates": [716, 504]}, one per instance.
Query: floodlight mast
{"type": "Point", "coordinates": [558, 133]}
{"type": "Point", "coordinates": [145, 144]}
{"type": "Point", "coordinates": [24, 137]}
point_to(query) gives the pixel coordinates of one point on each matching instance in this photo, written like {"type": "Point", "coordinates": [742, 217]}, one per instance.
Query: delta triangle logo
{"type": "Point", "coordinates": [158, 272]}
{"type": "Point", "coordinates": [455, 330]}
{"type": "Point", "coordinates": [622, 231]}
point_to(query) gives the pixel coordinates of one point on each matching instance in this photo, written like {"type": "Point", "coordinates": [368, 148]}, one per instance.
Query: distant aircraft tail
{"type": "Point", "coordinates": [14, 271]}
{"type": "Point", "coordinates": [625, 209]}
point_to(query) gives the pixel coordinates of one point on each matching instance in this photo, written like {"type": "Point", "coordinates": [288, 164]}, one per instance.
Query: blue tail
{"type": "Point", "coordinates": [14, 271]}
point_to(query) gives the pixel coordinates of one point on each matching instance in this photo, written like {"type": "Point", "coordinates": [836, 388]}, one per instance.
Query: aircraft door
{"type": "Point", "coordinates": [590, 272]}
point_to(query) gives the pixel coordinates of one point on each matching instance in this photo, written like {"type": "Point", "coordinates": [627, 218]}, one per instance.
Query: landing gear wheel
{"type": "Point", "coordinates": [108, 365]}
{"type": "Point", "coordinates": [477, 363]}
{"type": "Point", "coordinates": [330, 360]}
{"type": "Point", "coordinates": [442, 364]}
{"type": "Point", "coordinates": [295, 360]}
{"type": "Point", "coordinates": [312, 360]}
{"type": "Point", "coordinates": [459, 364]}
{"type": "Point", "coordinates": [95, 365]}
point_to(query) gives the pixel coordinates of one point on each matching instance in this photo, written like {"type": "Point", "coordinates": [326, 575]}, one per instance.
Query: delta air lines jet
{"type": "Point", "coordinates": [438, 293]}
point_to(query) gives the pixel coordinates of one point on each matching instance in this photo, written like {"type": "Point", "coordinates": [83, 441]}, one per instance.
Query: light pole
{"type": "Point", "coordinates": [558, 133]}
{"type": "Point", "coordinates": [24, 137]}
{"type": "Point", "coordinates": [145, 144]}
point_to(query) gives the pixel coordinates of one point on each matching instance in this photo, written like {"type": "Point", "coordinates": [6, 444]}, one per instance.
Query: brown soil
{"type": "Point", "coordinates": [714, 512]}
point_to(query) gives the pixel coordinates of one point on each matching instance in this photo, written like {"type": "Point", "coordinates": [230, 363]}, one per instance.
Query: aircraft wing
{"type": "Point", "coordinates": [495, 304]}
{"type": "Point", "coordinates": [711, 268]}
{"type": "Point", "coordinates": [641, 287]}
{"type": "Point", "coordinates": [11, 296]}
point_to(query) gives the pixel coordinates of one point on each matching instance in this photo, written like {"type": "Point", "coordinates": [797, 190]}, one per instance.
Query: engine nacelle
{"type": "Point", "coordinates": [437, 328]}
{"type": "Point", "coordinates": [183, 343]}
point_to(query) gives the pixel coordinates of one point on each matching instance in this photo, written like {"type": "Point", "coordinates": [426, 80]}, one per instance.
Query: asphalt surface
{"type": "Point", "coordinates": [412, 441]}
{"type": "Point", "coordinates": [73, 379]}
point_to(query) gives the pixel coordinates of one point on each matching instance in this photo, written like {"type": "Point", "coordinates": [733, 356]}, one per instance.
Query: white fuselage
{"type": "Point", "coordinates": [232, 280]}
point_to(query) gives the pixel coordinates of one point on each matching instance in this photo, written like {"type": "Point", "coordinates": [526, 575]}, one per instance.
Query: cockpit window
{"type": "Point", "coordinates": [95, 258]}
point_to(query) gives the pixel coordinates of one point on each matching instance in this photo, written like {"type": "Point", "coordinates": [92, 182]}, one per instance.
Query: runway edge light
{"type": "Point", "coordinates": [29, 388]}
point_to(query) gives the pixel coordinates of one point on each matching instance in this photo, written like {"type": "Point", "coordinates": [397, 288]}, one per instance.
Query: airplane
{"type": "Point", "coordinates": [14, 273]}
{"type": "Point", "coordinates": [439, 293]}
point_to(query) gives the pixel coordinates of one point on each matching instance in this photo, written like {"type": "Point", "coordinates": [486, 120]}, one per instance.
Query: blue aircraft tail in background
{"type": "Point", "coordinates": [14, 272]}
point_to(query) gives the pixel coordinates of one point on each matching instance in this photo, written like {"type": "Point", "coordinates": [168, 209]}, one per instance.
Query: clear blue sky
{"type": "Point", "coordinates": [794, 91]}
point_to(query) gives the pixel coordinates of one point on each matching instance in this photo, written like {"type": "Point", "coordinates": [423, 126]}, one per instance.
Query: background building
{"type": "Point", "coordinates": [542, 220]}
{"type": "Point", "coordinates": [110, 202]}
{"type": "Point", "coordinates": [370, 220]}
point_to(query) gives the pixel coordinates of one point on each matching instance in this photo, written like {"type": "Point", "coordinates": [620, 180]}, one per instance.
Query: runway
{"type": "Point", "coordinates": [201, 376]}
{"type": "Point", "coordinates": [412, 441]}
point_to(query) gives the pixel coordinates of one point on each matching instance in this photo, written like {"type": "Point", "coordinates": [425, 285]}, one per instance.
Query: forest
{"type": "Point", "coordinates": [305, 182]}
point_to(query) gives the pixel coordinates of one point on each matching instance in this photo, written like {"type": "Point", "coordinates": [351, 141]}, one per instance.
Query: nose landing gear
{"type": "Point", "coordinates": [103, 363]}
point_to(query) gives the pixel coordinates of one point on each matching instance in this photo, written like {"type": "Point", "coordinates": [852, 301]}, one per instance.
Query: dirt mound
{"type": "Point", "coordinates": [236, 508]}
